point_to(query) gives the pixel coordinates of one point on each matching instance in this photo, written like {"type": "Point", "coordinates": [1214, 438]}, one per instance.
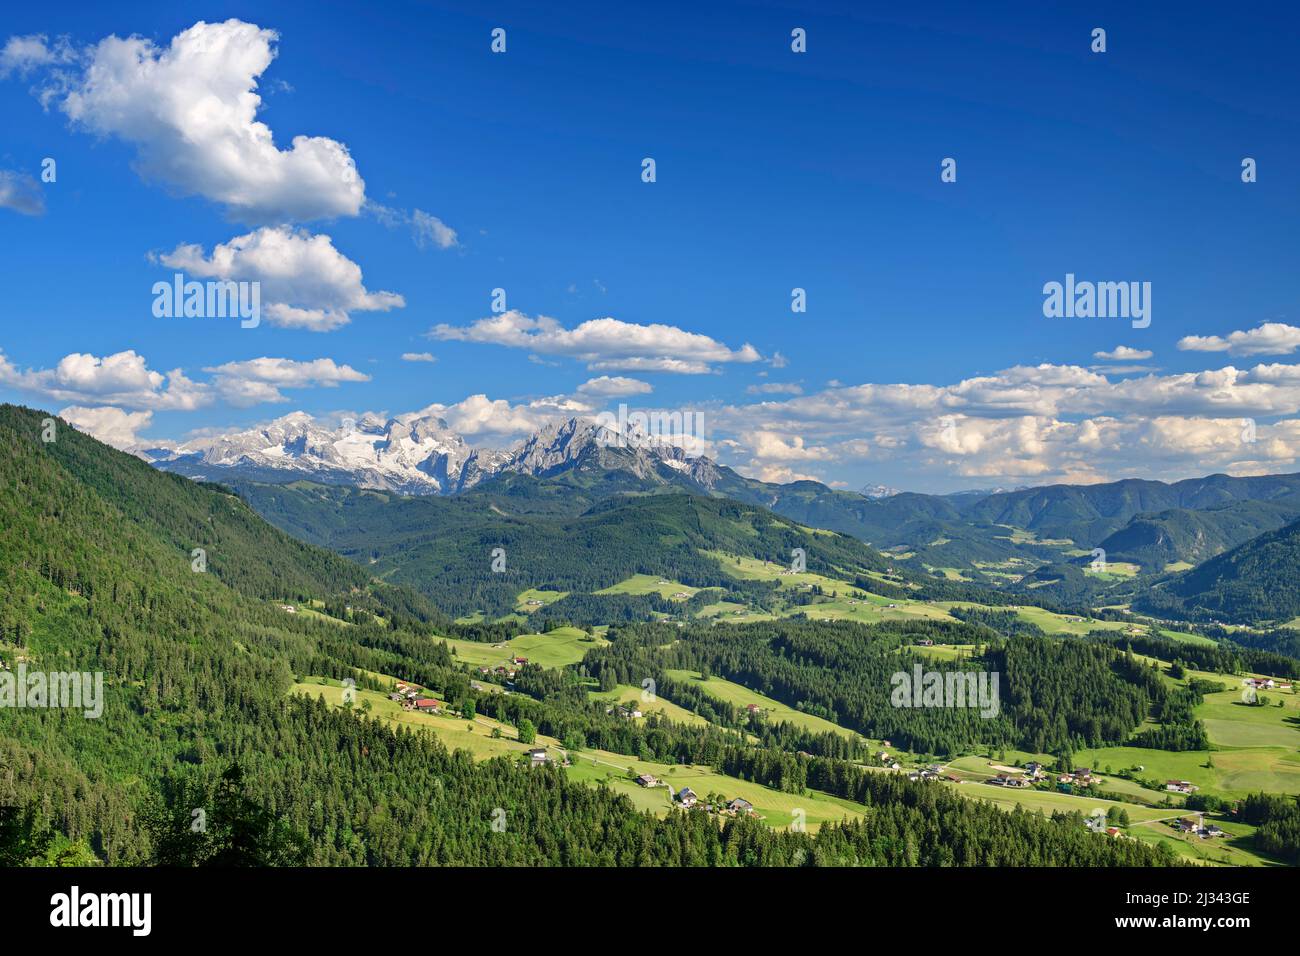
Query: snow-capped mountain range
{"type": "Point", "coordinates": [419, 454]}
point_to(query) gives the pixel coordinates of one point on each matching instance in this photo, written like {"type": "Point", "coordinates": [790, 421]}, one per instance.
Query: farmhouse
{"type": "Point", "coordinates": [1181, 786]}
{"type": "Point", "coordinates": [686, 797]}
{"type": "Point", "coordinates": [538, 756]}
{"type": "Point", "coordinates": [423, 704]}
{"type": "Point", "coordinates": [648, 780]}
{"type": "Point", "coordinates": [740, 805]}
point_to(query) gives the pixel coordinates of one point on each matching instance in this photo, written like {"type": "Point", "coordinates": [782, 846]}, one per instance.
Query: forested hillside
{"type": "Point", "coordinates": [1053, 696]}
{"type": "Point", "coordinates": [1155, 541]}
{"type": "Point", "coordinates": [97, 573]}
{"type": "Point", "coordinates": [1257, 581]}
{"type": "Point", "coordinates": [443, 546]}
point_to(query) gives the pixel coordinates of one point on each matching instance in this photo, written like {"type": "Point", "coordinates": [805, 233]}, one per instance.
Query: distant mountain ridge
{"type": "Point", "coordinates": [1088, 513]}
{"type": "Point", "coordinates": [418, 454]}
{"type": "Point", "coordinates": [579, 462]}
{"type": "Point", "coordinates": [414, 454]}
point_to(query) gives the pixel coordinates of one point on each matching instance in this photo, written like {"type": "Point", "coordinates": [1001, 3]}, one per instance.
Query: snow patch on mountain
{"type": "Point", "coordinates": [419, 454]}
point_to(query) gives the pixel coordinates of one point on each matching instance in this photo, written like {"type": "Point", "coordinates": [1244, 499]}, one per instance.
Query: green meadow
{"type": "Point", "coordinates": [651, 584]}
{"type": "Point", "coordinates": [630, 697]}
{"type": "Point", "coordinates": [453, 730]}
{"type": "Point", "coordinates": [557, 648]}
{"type": "Point", "coordinates": [542, 596]}
{"type": "Point", "coordinates": [775, 808]}
{"type": "Point", "coordinates": [773, 711]}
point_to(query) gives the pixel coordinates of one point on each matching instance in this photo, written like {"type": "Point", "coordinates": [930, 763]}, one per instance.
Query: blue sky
{"type": "Point", "coordinates": [775, 170]}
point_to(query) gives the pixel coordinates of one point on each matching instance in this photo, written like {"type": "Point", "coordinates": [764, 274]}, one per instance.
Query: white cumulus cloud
{"type": "Point", "coordinates": [1270, 338]}
{"type": "Point", "coordinates": [611, 386]}
{"type": "Point", "coordinates": [1123, 353]}
{"type": "Point", "coordinates": [606, 344]}
{"type": "Point", "coordinates": [259, 380]}
{"type": "Point", "coordinates": [305, 282]}
{"type": "Point", "coordinates": [113, 426]}
{"type": "Point", "coordinates": [190, 109]}
{"type": "Point", "coordinates": [122, 379]}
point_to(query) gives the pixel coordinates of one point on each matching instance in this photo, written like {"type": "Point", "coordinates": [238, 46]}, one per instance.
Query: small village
{"type": "Point", "coordinates": [688, 799]}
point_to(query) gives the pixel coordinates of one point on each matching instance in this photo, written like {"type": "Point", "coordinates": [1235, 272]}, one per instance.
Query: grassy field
{"type": "Point", "coordinates": [651, 584]}
{"type": "Point", "coordinates": [1046, 801]}
{"type": "Point", "coordinates": [773, 807]}
{"type": "Point", "coordinates": [945, 652]}
{"type": "Point", "coordinates": [752, 569]}
{"type": "Point", "coordinates": [1186, 638]}
{"type": "Point", "coordinates": [1049, 621]}
{"type": "Point", "coordinates": [951, 574]}
{"type": "Point", "coordinates": [453, 731]}
{"type": "Point", "coordinates": [871, 609]}
{"type": "Point", "coordinates": [773, 711]}
{"type": "Point", "coordinates": [1255, 748]}
{"type": "Point", "coordinates": [557, 648]}
{"type": "Point", "coordinates": [1148, 824]}
{"type": "Point", "coordinates": [978, 768]}
{"type": "Point", "coordinates": [1234, 773]}
{"type": "Point", "coordinates": [1116, 570]}
{"type": "Point", "coordinates": [631, 696]}
{"type": "Point", "coordinates": [310, 610]}
{"type": "Point", "coordinates": [1233, 850]}
{"type": "Point", "coordinates": [537, 594]}
{"type": "Point", "coordinates": [729, 612]}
